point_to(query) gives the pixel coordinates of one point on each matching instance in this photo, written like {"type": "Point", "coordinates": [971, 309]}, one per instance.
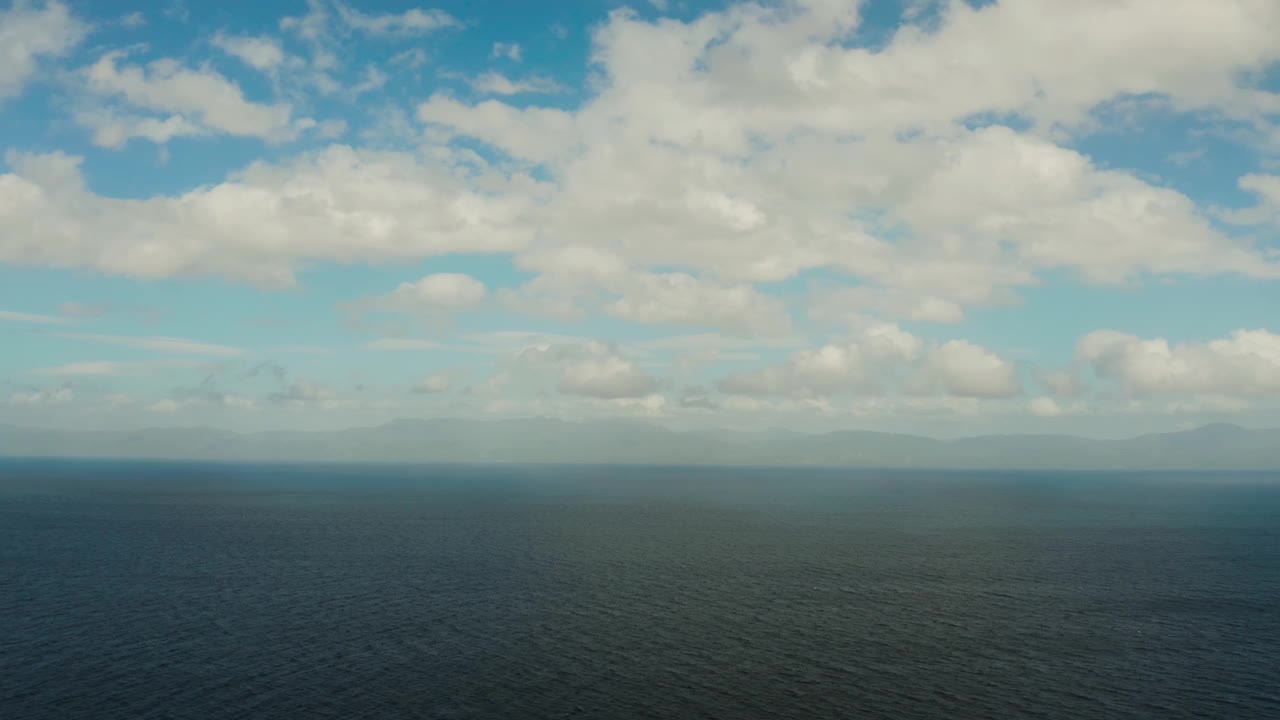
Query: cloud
{"type": "Point", "coordinates": [585, 368]}
{"type": "Point", "coordinates": [302, 394]}
{"type": "Point", "coordinates": [105, 368]}
{"type": "Point", "coordinates": [436, 383]}
{"type": "Point", "coordinates": [414, 21]}
{"type": "Point", "coordinates": [577, 275]}
{"type": "Point", "coordinates": [165, 405]}
{"type": "Point", "coordinates": [509, 51]}
{"type": "Point", "coordinates": [495, 83]}
{"type": "Point", "coordinates": [963, 369]}
{"type": "Point", "coordinates": [1267, 210]}
{"type": "Point", "coordinates": [339, 204]}
{"type": "Point", "coordinates": [607, 377]}
{"type": "Point", "coordinates": [60, 396]}
{"type": "Point", "coordinates": [189, 102]}
{"type": "Point", "coordinates": [96, 368]}
{"type": "Point", "coordinates": [860, 364]}
{"type": "Point", "coordinates": [413, 58]}
{"type": "Point", "coordinates": [440, 292]}
{"type": "Point", "coordinates": [160, 344]}
{"type": "Point", "coordinates": [83, 311]}
{"type": "Point", "coordinates": [1244, 364]}
{"type": "Point", "coordinates": [30, 34]}
{"type": "Point", "coordinates": [10, 316]}
{"type": "Point", "coordinates": [880, 358]}
{"type": "Point", "coordinates": [724, 147]}
{"type": "Point", "coordinates": [1045, 407]}
{"type": "Point", "coordinates": [1061, 382]}
{"type": "Point", "coordinates": [405, 344]}
{"type": "Point", "coordinates": [260, 53]}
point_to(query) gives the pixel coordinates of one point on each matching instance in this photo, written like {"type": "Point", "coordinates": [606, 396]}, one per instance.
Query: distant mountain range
{"type": "Point", "coordinates": [1218, 446]}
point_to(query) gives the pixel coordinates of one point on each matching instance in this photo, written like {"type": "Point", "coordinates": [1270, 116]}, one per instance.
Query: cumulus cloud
{"type": "Point", "coordinates": [963, 369]}
{"type": "Point", "coordinates": [576, 275]}
{"type": "Point", "coordinates": [1045, 407]}
{"type": "Point", "coordinates": [188, 102]}
{"type": "Point", "coordinates": [440, 292]}
{"type": "Point", "coordinates": [260, 53]}
{"type": "Point", "coordinates": [608, 377]}
{"type": "Point", "coordinates": [860, 364]}
{"type": "Point", "coordinates": [880, 358]}
{"type": "Point", "coordinates": [1244, 364]}
{"type": "Point", "coordinates": [1266, 188]}
{"type": "Point", "coordinates": [340, 204]}
{"type": "Point", "coordinates": [435, 383]}
{"type": "Point", "coordinates": [29, 34]}
{"type": "Point", "coordinates": [723, 146]}
{"type": "Point", "coordinates": [590, 369]}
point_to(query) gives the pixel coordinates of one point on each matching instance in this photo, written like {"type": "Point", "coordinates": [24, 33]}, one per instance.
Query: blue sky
{"type": "Point", "coordinates": [914, 215]}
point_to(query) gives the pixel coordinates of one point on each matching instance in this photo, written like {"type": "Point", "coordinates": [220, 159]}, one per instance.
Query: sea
{"type": "Point", "coordinates": [190, 591]}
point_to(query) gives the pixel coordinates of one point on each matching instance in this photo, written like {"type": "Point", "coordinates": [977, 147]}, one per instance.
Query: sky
{"type": "Point", "coordinates": [945, 217]}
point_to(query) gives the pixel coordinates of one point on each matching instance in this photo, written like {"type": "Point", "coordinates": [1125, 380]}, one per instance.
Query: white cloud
{"type": "Point", "coordinates": [303, 393]}
{"type": "Point", "coordinates": [963, 369]}
{"type": "Point", "coordinates": [166, 405]}
{"type": "Point", "coordinates": [159, 344]}
{"type": "Point", "coordinates": [606, 376]}
{"type": "Point", "coordinates": [415, 21]}
{"type": "Point", "coordinates": [60, 396]}
{"type": "Point", "coordinates": [413, 58]}
{"type": "Point", "coordinates": [30, 34]}
{"type": "Point", "coordinates": [1045, 407]}
{"type": "Point", "coordinates": [724, 146]}
{"type": "Point", "coordinates": [339, 204]}
{"type": "Point", "coordinates": [93, 368]}
{"type": "Point", "coordinates": [10, 316]}
{"type": "Point", "coordinates": [1245, 364]}
{"type": "Point", "coordinates": [440, 292]}
{"type": "Point", "coordinates": [861, 364]}
{"type": "Point", "coordinates": [575, 276]}
{"type": "Point", "coordinates": [578, 367]}
{"type": "Point", "coordinates": [880, 358]}
{"type": "Point", "coordinates": [495, 83]}
{"type": "Point", "coordinates": [509, 51]}
{"type": "Point", "coordinates": [261, 53]}
{"type": "Point", "coordinates": [106, 368]}
{"type": "Point", "coordinates": [1267, 210]}
{"type": "Point", "coordinates": [435, 383]}
{"type": "Point", "coordinates": [409, 344]}
{"type": "Point", "coordinates": [190, 102]}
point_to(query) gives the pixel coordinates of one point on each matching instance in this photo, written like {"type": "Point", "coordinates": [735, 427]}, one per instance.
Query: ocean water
{"type": "Point", "coordinates": [177, 590]}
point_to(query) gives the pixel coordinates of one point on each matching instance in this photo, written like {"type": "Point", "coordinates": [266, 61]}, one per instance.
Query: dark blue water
{"type": "Point", "coordinates": [207, 591]}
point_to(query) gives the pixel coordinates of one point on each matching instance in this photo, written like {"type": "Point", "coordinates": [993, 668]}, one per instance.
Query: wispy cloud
{"type": "Point", "coordinates": [109, 368]}
{"type": "Point", "coordinates": [494, 83]}
{"type": "Point", "coordinates": [161, 344]}
{"type": "Point", "coordinates": [415, 344]}
{"type": "Point", "coordinates": [33, 318]}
